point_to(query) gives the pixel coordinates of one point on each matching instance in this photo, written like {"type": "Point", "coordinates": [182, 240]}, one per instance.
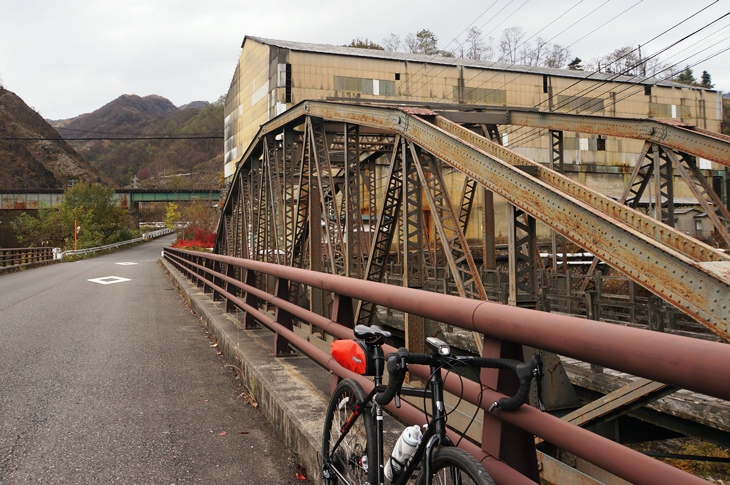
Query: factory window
{"type": "Point", "coordinates": [579, 104]}
{"type": "Point", "coordinates": [377, 87]}
{"type": "Point", "coordinates": [284, 80]}
{"type": "Point", "coordinates": [484, 96]}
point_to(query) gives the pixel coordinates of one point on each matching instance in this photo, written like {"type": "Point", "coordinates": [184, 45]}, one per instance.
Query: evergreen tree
{"type": "Point", "coordinates": [365, 44]}
{"type": "Point", "coordinates": [706, 80]}
{"type": "Point", "coordinates": [686, 77]}
{"type": "Point", "coordinates": [576, 64]}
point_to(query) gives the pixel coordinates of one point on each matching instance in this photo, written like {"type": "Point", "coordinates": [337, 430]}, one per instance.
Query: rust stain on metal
{"type": "Point", "coordinates": [719, 268]}
{"type": "Point", "coordinates": [419, 111]}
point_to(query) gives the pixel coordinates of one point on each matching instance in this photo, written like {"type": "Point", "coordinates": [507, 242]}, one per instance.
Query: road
{"type": "Point", "coordinates": [107, 377]}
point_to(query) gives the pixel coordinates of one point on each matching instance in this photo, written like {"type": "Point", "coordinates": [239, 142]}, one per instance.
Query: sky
{"type": "Point", "coordinates": [65, 58]}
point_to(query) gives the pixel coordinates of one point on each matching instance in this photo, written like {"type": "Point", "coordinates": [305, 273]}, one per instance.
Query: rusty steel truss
{"type": "Point", "coordinates": [346, 189]}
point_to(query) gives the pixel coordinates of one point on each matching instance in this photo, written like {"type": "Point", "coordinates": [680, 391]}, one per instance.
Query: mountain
{"type": "Point", "coordinates": [32, 153]}
{"type": "Point", "coordinates": [169, 156]}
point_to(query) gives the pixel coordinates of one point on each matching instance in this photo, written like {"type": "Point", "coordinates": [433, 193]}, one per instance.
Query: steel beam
{"type": "Point", "coordinates": [619, 402]}
{"type": "Point", "coordinates": [385, 229]}
{"type": "Point", "coordinates": [680, 136]}
{"type": "Point", "coordinates": [693, 277]}
{"type": "Point", "coordinates": [676, 240]}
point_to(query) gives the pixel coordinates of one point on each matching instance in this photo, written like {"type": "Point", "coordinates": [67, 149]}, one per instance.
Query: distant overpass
{"type": "Point", "coordinates": [129, 198]}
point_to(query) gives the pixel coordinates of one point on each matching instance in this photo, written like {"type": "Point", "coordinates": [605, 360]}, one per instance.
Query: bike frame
{"type": "Point", "coordinates": [434, 434]}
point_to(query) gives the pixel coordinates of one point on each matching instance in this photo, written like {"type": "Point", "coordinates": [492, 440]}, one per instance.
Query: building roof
{"type": "Point", "coordinates": [455, 61]}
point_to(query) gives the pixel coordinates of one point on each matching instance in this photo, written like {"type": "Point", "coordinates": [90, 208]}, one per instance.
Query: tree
{"type": "Point", "coordinates": [49, 228]}
{"type": "Point", "coordinates": [706, 81]}
{"type": "Point", "coordinates": [510, 43]}
{"type": "Point", "coordinates": [576, 64]}
{"type": "Point", "coordinates": [475, 48]}
{"type": "Point", "coordinates": [686, 77]}
{"type": "Point", "coordinates": [535, 56]}
{"type": "Point", "coordinates": [91, 206]}
{"type": "Point", "coordinates": [172, 216]}
{"type": "Point", "coordinates": [392, 43]}
{"type": "Point", "coordinates": [365, 44]}
{"type": "Point", "coordinates": [557, 56]}
{"type": "Point", "coordinates": [96, 210]}
{"type": "Point", "coordinates": [622, 61]}
{"type": "Point", "coordinates": [423, 42]}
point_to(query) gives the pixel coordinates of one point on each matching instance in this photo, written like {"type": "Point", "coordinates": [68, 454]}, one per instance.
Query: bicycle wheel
{"type": "Point", "coordinates": [451, 465]}
{"type": "Point", "coordinates": [358, 448]}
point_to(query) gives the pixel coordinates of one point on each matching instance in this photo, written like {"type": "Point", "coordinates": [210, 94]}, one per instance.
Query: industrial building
{"type": "Point", "coordinates": [273, 75]}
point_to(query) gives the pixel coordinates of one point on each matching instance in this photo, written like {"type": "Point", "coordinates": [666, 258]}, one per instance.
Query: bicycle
{"type": "Point", "coordinates": [352, 442]}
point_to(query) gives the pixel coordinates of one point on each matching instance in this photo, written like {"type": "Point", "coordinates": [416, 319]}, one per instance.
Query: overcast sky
{"type": "Point", "coordinates": [66, 58]}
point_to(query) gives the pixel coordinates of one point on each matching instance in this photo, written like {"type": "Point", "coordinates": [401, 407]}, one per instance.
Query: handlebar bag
{"type": "Point", "coordinates": [353, 355]}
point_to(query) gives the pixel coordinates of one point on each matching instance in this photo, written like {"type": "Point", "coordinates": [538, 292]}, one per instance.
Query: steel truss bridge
{"type": "Point", "coordinates": [302, 187]}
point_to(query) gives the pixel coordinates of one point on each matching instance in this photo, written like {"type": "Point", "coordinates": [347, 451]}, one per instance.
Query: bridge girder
{"type": "Point", "coordinates": [690, 275]}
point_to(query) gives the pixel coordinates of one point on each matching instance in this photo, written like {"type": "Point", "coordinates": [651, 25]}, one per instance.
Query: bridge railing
{"type": "Point", "coordinates": [23, 257]}
{"type": "Point", "coordinates": [146, 236]}
{"type": "Point", "coordinates": [15, 258]}
{"type": "Point", "coordinates": [681, 362]}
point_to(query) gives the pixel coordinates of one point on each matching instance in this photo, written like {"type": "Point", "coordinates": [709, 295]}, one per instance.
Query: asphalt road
{"type": "Point", "coordinates": [118, 383]}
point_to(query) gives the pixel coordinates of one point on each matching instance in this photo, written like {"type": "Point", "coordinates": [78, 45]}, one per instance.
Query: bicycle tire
{"type": "Point", "coordinates": [359, 443]}
{"type": "Point", "coordinates": [451, 465]}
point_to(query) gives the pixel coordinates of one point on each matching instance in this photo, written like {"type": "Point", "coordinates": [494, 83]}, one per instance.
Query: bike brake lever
{"type": "Point", "coordinates": [397, 400]}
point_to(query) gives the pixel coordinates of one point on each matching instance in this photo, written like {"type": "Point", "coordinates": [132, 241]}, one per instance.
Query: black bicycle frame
{"type": "Point", "coordinates": [434, 434]}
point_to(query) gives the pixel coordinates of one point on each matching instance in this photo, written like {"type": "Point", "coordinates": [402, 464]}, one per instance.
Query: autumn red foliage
{"type": "Point", "coordinates": [195, 238]}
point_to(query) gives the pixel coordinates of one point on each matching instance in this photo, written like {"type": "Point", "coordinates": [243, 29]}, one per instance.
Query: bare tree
{"type": "Point", "coordinates": [624, 60]}
{"type": "Point", "coordinates": [510, 43]}
{"type": "Point", "coordinates": [474, 47]}
{"type": "Point", "coordinates": [557, 56]}
{"type": "Point", "coordinates": [392, 43]}
{"type": "Point", "coordinates": [535, 56]}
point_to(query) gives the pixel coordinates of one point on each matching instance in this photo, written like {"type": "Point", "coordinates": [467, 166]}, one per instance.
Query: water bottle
{"type": "Point", "coordinates": [403, 450]}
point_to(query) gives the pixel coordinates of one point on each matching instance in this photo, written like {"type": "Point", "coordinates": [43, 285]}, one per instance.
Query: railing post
{"type": "Point", "coordinates": [249, 321]}
{"type": "Point", "coordinates": [217, 282]}
{"type": "Point", "coordinates": [231, 289]}
{"type": "Point", "coordinates": [503, 440]}
{"type": "Point", "coordinates": [281, 344]}
{"type": "Point", "coordinates": [342, 312]}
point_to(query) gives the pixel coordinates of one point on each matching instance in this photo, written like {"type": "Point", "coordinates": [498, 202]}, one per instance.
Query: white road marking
{"type": "Point", "coordinates": [126, 264]}
{"type": "Point", "coordinates": [109, 280]}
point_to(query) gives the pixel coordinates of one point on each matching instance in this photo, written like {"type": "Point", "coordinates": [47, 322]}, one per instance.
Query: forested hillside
{"type": "Point", "coordinates": [32, 154]}
{"type": "Point", "coordinates": [149, 143]}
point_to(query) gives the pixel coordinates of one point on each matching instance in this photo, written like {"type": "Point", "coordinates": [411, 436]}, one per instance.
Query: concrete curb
{"type": "Point", "coordinates": [282, 387]}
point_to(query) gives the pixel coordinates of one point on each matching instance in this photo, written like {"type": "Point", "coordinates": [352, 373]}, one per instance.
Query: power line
{"type": "Point", "coordinates": [526, 137]}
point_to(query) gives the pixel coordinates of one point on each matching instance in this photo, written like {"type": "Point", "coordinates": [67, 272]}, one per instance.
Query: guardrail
{"type": "Point", "coordinates": [146, 236]}
{"type": "Point", "coordinates": [15, 258]}
{"type": "Point", "coordinates": [21, 257]}
{"type": "Point", "coordinates": [678, 361]}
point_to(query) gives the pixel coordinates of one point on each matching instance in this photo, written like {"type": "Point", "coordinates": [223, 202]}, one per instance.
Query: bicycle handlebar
{"type": "Point", "coordinates": [397, 364]}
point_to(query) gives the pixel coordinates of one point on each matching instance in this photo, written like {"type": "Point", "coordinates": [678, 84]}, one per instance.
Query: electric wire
{"type": "Point", "coordinates": [567, 48]}
{"type": "Point", "coordinates": [453, 64]}
{"type": "Point", "coordinates": [640, 79]}
{"type": "Point", "coordinates": [628, 69]}
{"type": "Point", "coordinates": [537, 133]}
{"type": "Point", "coordinates": [416, 80]}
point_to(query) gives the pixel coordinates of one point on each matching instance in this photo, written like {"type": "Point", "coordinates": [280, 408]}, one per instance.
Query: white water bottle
{"type": "Point", "coordinates": [403, 450]}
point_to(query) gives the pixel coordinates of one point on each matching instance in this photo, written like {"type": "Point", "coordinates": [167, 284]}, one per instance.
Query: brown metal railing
{"type": "Point", "coordinates": [19, 257]}
{"type": "Point", "coordinates": [681, 362]}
